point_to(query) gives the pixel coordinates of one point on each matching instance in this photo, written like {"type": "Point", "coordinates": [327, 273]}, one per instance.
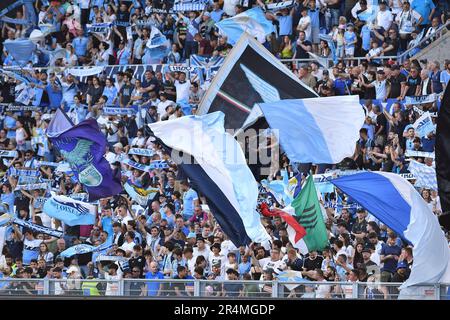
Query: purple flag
{"type": "Point", "coordinates": [83, 146]}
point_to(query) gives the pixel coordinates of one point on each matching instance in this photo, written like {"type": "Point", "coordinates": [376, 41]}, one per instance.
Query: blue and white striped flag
{"type": "Point", "coordinates": [71, 212]}
{"type": "Point", "coordinates": [252, 21]}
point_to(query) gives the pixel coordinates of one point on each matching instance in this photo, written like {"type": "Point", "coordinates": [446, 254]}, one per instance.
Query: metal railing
{"type": "Point", "coordinates": [211, 289]}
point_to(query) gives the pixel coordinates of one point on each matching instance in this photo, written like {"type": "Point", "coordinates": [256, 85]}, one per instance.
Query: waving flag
{"type": "Point", "coordinates": [318, 130]}
{"type": "Point", "coordinates": [220, 172]}
{"type": "Point", "coordinates": [252, 21]}
{"type": "Point", "coordinates": [71, 212]}
{"type": "Point", "coordinates": [85, 248]}
{"type": "Point", "coordinates": [395, 202]}
{"type": "Point", "coordinates": [157, 47]}
{"type": "Point", "coordinates": [83, 147]}
{"type": "Point", "coordinates": [307, 212]}
{"type": "Point", "coordinates": [21, 50]}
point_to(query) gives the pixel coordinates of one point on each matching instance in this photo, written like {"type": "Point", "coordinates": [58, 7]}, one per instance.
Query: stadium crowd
{"type": "Point", "coordinates": [174, 235]}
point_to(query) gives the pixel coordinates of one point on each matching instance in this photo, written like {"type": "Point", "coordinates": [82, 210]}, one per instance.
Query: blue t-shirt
{"type": "Point", "coordinates": [365, 37]}
{"type": "Point", "coordinates": [10, 122]}
{"type": "Point", "coordinates": [111, 93]}
{"type": "Point", "coordinates": [188, 202]}
{"type": "Point", "coordinates": [445, 76]}
{"type": "Point", "coordinates": [285, 25]}
{"type": "Point", "coordinates": [423, 7]}
{"type": "Point", "coordinates": [107, 223]}
{"type": "Point", "coordinates": [153, 287]}
{"type": "Point", "coordinates": [80, 45]}
{"type": "Point", "coordinates": [314, 15]}
{"type": "Point", "coordinates": [349, 37]}
{"type": "Point", "coordinates": [390, 264]}
{"type": "Point", "coordinates": [54, 96]}
{"type": "Point", "coordinates": [217, 15]}
{"type": "Point", "coordinates": [124, 56]}
{"type": "Point", "coordinates": [428, 144]}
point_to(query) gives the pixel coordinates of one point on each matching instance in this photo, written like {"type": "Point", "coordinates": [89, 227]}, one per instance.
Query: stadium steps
{"type": "Point", "coordinates": [438, 50]}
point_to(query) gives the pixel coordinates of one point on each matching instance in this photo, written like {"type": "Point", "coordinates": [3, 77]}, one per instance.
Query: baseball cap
{"type": "Point", "coordinates": [215, 245]}
{"type": "Point", "coordinates": [366, 249]}
{"type": "Point", "coordinates": [191, 235]}
{"type": "Point", "coordinates": [71, 269]}
{"type": "Point", "coordinates": [402, 264]}
{"type": "Point", "coordinates": [207, 14]}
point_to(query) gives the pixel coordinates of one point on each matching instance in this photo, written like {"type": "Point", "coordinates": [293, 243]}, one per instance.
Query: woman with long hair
{"type": "Point", "coordinates": [358, 257]}
{"type": "Point", "coordinates": [45, 254]}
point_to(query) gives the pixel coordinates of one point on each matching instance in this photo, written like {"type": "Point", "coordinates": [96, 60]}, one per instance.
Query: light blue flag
{"type": "Point", "coordinates": [86, 248]}
{"type": "Point", "coordinates": [157, 47]}
{"type": "Point", "coordinates": [252, 21]}
{"type": "Point", "coordinates": [71, 212]}
{"type": "Point", "coordinates": [279, 189]}
{"type": "Point", "coordinates": [395, 202]}
{"type": "Point", "coordinates": [370, 14]}
{"type": "Point", "coordinates": [21, 50]}
{"type": "Point", "coordinates": [317, 130]}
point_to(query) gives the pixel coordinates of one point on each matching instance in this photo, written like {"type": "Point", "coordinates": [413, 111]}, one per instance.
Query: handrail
{"type": "Point", "coordinates": [439, 30]}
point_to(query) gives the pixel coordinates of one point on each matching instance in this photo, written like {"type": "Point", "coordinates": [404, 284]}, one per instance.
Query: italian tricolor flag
{"type": "Point", "coordinates": [305, 225]}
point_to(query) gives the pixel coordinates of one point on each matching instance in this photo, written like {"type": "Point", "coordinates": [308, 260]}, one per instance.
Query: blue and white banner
{"type": "Point", "coordinates": [104, 257]}
{"type": "Point", "coordinates": [37, 228]}
{"type": "Point", "coordinates": [17, 108]}
{"type": "Point", "coordinates": [8, 153]}
{"type": "Point", "coordinates": [174, 68]}
{"type": "Point", "coordinates": [425, 175]}
{"type": "Point", "coordinates": [424, 125]}
{"type": "Point", "coordinates": [141, 152]}
{"type": "Point", "coordinates": [84, 72]}
{"type": "Point", "coordinates": [85, 248]}
{"type": "Point", "coordinates": [47, 164]}
{"type": "Point", "coordinates": [118, 111]}
{"type": "Point", "coordinates": [328, 131]}
{"type": "Point", "coordinates": [71, 212]}
{"type": "Point", "coordinates": [206, 66]}
{"type": "Point", "coordinates": [252, 21]}
{"type": "Point", "coordinates": [276, 6]}
{"type": "Point", "coordinates": [23, 172]}
{"type": "Point", "coordinates": [99, 27]}
{"type": "Point", "coordinates": [430, 98]}
{"type": "Point", "coordinates": [84, 197]}
{"type": "Point", "coordinates": [421, 154]}
{"type": "Point", "coordinates": [370, 14]}
{"type": "Point", "coordinates": [34, 186]}
{"type": "Point", "coordinates": [395, 202]}
{"type": "Point", "coordinates": [146, 168]}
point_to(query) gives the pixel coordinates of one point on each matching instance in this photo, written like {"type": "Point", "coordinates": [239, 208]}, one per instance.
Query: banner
{"type": "Point", "coordinates": [235, 94]}
{"type": "Point", "coordinates": [84, 248]}
{"type": "Point", "coordinates": [411, 153]}
{"type": "Point", "coordinates": [84, 197]}
{"type": "Point", "coordinates": [424, 125]}
{"type": "Point", "coordinates": [104, 257]}
{"type": "Point", "coordinates": [141, 152]}
{"type": "Point", "coordinates": [85, 71]}
{"type": "Point", "coordinates": [15, 108]}
{"type": "Point", "coordinates": [280, 5]}
{"type": "Point", "coordinates": [71, 212]}
{"type": "Point", "coordinates": [23, 172]}
{"type": "Point", "coordinates": [181, 69]}
{"type": "Point", "coordinates": [38, 229]}
{"type": "Point", "coordinates": [157, 164]}
{"type": "Point", "coordinates": [8, 153]}
{"type": "Point", "coordinates": [430, 98]}
{"type": "Point", "coordinates": [118, 111]}
{"type": "Point", "coordinates": [47, 164]}
{"type": "Point", "coordinates": [33, 186]}
{"type": "Point", "coordinates": [98, 27]}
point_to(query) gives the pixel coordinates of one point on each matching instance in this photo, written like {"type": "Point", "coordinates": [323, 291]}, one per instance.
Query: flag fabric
{"type": "Point", "coordinates": [279, 189]}
{"type": "Point", "coordinates": [395, 202]}
{"type": "Point", "coordinates": [21, 50]}
{"type": "Point", "coordinates": [141, 196]}
{"type": "Point", "coordinates": [250, 74]}
{"type": "Point", "coordinates": [442, 150]}
{"type": "Point", "coordinates": [425, 175]}
{"type": "Point", "coordinates": [220, 172]}
{"type": "Point", "coordinates": [317, 130]}
{"type": "Point", "coordinates": [71, 212]}
{"type": "Point", "coordinates": [158, 46]}
{"type": "Point", "coordinates": [291, 276]}
{"type": "Point", "coordinates": [252, 21]}
{"type": "Point", "coordinates": [305, 208]}
{"type": "Point", "coordinates": [85, 248]}
{"type": "Point", "coordinates": [83, 147]}
{"type": "Point", "coordinates": [295, 231]}
{"type": "Point", "coordinates": [295, 185]}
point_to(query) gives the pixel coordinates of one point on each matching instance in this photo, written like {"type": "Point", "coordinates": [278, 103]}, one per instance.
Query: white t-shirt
{"type": "Point", "coordinates": [112, 288]}
{"type": "Point", "coordinates": [182, 90]}
{"type": "Point", "coordinates": [205, 253]}
{"type": "Point", "coordinates": [162, 105]}
{"type": "Point", "coordinates": [128, 246]}
{"type": "Point", "coordinates": [380, 89]}
{"type": "Point", "coordinates": [384, 19]}
{"type": "Point", "coordinates": [229, 6]}
{"type": "Point", "coordinates": [303, 21]}
{"type": "Point", "coordinates": [322, 290]}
